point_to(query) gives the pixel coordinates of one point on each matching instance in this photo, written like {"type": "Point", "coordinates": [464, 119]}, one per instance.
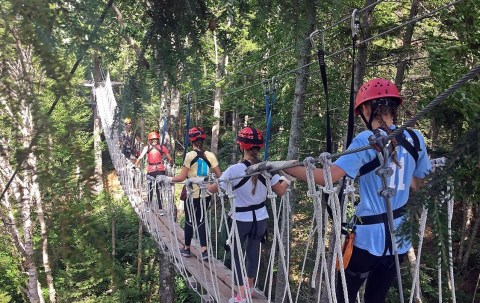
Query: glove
{"type": "Point", "coordinates": [270, 166]}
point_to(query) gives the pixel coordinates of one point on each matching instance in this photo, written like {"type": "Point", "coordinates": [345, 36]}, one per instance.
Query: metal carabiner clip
{"type": "Point", "coordinates": [355, 24]}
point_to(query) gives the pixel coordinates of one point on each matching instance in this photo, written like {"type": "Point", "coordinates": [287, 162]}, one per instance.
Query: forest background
{"type": "Point", "coordinates": [67, 236]}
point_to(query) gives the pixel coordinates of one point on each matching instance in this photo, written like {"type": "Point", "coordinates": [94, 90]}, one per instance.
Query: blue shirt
{"type": "Point", "coordinates": [372, 237]}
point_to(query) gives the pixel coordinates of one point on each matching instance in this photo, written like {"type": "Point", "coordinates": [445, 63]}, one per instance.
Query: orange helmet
{"type": "Point", "coordinates": [249, 137]}
{"type": "Point", "coordinates": [153, 135]}
{"type": "Point", "coordinates": [378, 89]}
{"type": "Point", "coordinates": [196, 132]}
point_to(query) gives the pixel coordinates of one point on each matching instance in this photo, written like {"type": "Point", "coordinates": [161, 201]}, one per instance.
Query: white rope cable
{"type": "Point", "coordinates": [325, 159]}
{"type": "Point", "coordinates": [421, 233]}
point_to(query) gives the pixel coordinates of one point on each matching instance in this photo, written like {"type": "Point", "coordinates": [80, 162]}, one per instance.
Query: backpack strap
{"type": "Point", "coordinates": [402, 141]}
{"type": "Point", "coordinates": [200, 154]}
{"type": "Point", "coordinates": [245, 179]}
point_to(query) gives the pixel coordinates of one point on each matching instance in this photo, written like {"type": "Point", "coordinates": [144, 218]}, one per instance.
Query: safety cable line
{"type": "Point", "coordinates": [242, 71]}
{"type": "Point", "coordinates": [341, 50]}
{"type": "Point", "coordinates": [411, 21]}
{"type": "Point", "coordinates": [466, 77]}
{"type": "Point", "coordinates": [43, 123]}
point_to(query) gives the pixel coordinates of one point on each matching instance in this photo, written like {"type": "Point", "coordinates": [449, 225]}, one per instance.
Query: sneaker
{"type": "Point", "coordinates": [185, 252]}
{"type": "Point", "coordinates": [161, 212]}
{"type": "Point", "coordinates": [205, 255]}
{"type": "Point", "coordinates": [237, 299]}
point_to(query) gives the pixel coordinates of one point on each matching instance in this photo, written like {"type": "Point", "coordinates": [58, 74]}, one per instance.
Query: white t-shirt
{"type": "Point", "coordinates": [243, 194]}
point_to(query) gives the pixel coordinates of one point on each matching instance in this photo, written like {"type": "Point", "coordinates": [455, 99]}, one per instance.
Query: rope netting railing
{"type": "Point", "coordinates": [216, 274]}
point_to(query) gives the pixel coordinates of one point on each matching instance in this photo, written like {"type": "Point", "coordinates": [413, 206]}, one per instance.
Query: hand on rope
{"type": "Point", "coordinates": [270, 166]}
{"type": "Point", "coordinates": [378, 140]}
{"type": "Point", "coordinates": [195, 180]}
{"type": "Point", "coordinates": [286, 177]}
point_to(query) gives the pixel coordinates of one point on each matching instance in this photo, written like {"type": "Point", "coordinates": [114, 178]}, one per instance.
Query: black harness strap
{"type": "Point", "coordinates": [245, 179]}
{"type": "Point", "coordinates": [249, 208]}
{"type": "Point", "coordinates": [376, 219]}
{"type": "Point", "coordinates": [401, 140]}
{"type": "Point", "coordinates": [201, 154]}
{"type": "Point", "coordinates": [382, 218]}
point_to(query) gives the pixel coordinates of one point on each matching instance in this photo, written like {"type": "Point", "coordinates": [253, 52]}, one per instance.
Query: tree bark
{"type": "Point", "coordinates": [407, 42]}
{"type": "Point", "coordinates": [219, 72]}
{"type": "Point", "coordinates": [361, 60]}
{"type": "Point", "coordinates": [301, 81]}
{"type": "Point", "coordinates": [139, 254]}
{"type": "Point", "coordinates": [467, 223]}
{"type": "Point", "coordinates": [473, 238]}
{"type": "Point", "coordinates": [140, 53]}
{"type": "Point", "coordinates": [166, 277]}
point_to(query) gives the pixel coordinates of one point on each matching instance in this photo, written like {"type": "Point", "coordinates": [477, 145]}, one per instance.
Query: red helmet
{"type": "Point", "coordinates": [153, 135]}
{"type": "Point", "coordinates": [196, 132]}
{"type": "Point", "coordinates": [376, 89]}
{"type": "Point", "coordinates": [249, 137]}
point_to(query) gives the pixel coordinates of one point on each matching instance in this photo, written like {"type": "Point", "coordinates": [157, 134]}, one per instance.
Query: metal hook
{"type": "Point", "coordinates": [355, 24]}
{"type": "Point", "coordinates": [312, 40]}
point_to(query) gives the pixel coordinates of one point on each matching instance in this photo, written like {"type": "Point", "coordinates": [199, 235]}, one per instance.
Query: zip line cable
{"type": "Point", "coordinates": [341, 50]}
{"type": "Point", "coordinates": [466, 77]}
{"type": "Point", "coordinates": [241, 72]}
{"type": "Point", "coordinates": [43, 124]}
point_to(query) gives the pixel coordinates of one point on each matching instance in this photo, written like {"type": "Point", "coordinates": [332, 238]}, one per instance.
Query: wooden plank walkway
{"type": "Point", "coordinates": [172, 236]}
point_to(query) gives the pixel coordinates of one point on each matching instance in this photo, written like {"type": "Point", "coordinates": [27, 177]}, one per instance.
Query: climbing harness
{"type": "Point", "coordinates": [412, 149]}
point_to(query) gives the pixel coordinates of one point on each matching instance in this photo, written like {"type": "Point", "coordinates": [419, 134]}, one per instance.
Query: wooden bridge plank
{"type": "Point", "coordinates": [199, 269]}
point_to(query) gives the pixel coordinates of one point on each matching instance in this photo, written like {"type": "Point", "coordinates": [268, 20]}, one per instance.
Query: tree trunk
{"type": "Point", "coordinates": [44, 237]}
{"type": "Point", "coordinates": [139, 255]}
{"type": "Point", "coordinates": [219, 72]}
{"type": "Point", "coordinates": [97, 131]}
{"type": "Point", "coordinates": [407, 42]}
{"type": "Point", "coordinates": [467, 223]}
{"type": "Point", "coordinates": [235, 127]}
{"type": "Point", "coordinates": [166, 278]}
{"type": "Point", "coordinates": [471, 242]}
{"type": "Point", "coordinates": [295, 138]}
{"type": "Point", "coordinates": [361, 60]}
{"type": "Point", "coordinates": [140, 54]}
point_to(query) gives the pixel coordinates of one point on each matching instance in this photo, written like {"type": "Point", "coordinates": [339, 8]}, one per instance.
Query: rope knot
{"type": "Point", "coordinates": [309, 161]}
{"type": "Point", "coordinates": [325, 158]}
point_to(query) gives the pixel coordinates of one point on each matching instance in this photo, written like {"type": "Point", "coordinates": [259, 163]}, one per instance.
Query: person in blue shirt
{"type": "Point", "coordinates": [372, 257]}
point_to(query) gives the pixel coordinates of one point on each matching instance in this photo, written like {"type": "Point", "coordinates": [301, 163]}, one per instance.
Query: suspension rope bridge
{"type": "Point", "coordinates": [211, 278]}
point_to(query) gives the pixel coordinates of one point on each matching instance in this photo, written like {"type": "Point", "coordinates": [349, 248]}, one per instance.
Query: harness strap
{"type": "Point", "coordinates": [379, 218]}
{"type": "Point", "coordinates": [201, 154]}
{"type": "Point", "coordinates": [245, 179]}
{"type": "Point", "coordinates": [249, 208]}
{"type": "Point", "coordinates": [382, 218]}
{"type": "Point", "coordinates": [401, 140]}
{"type": "Point", "coordinates": [253, 230]}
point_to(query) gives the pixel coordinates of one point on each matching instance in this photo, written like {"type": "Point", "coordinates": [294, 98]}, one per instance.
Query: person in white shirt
{"type": "Point", "coordinates": [250, 211]}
